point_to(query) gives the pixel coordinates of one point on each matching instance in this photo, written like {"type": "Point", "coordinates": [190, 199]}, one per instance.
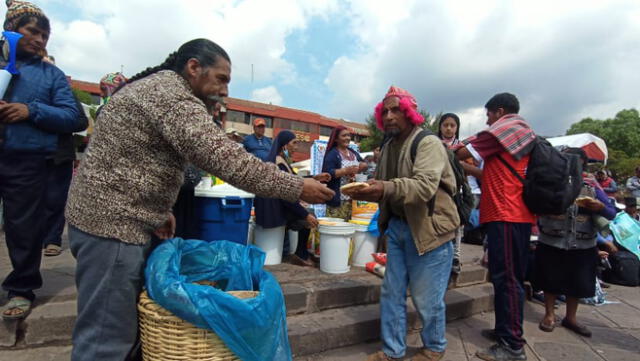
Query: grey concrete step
{"type": "Point", "coordinates": [309, 295]}
{"type": "Point", "coordinates": [335, 321]}
{"type": "Point", "coordinates": [334, 328]}
{"type": "Point", "coordinates": [51, 323]}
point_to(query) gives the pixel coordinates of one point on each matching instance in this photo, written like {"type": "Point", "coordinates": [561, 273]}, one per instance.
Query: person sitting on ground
{"type": "Point", "coordinates": [607, 183]}
{"type": "Point", "coordinates": [567, 256]}
{"type": "Point", "coordinates": [631, 207]}
{"type": "Point", "coordinates": [633, 184]}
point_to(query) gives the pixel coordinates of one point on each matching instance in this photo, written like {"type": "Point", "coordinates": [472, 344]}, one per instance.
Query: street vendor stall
{"type": "Point", "coordinates": [595, 147]}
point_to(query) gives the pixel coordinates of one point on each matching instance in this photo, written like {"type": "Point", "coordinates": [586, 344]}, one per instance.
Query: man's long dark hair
{"type": "Point", "coordinates": [204, 50]}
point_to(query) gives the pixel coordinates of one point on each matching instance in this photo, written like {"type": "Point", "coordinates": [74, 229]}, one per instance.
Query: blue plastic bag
{"type": "Point", "coordinates": [373, 225]}
{"type": "Point", "coordinates": [254, 329]}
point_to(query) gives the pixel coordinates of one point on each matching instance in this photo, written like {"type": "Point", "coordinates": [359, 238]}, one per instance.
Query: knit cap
{"type": "Point", "coordinates": [16, 10]}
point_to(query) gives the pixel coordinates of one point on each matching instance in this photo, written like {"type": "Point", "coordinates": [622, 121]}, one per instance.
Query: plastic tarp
{"type": "Point", "coordinates": [255, 328]}
{"type": "Point", "coordinates": [595, 147]}
{"type": "Point", "coordinates": [626, 231]}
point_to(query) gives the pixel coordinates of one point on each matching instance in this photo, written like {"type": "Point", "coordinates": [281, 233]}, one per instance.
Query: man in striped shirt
{"type": "Point", "coordinates": [506, 218]}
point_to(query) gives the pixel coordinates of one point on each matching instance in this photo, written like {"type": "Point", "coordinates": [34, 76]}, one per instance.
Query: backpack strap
{"type": "Point", "coordinates": [416, 141]}
{"type": "Point", "coordinates": [413, 152]}
{"type": "Point", "coordinates": [513, 171]}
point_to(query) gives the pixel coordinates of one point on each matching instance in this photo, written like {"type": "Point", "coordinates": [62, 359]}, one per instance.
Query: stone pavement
{"type": "Point", "coordinates": [616, 327]}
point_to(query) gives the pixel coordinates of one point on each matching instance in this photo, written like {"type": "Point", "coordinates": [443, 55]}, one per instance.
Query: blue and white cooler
{"type": "Point", "coordinates": [223, 213]}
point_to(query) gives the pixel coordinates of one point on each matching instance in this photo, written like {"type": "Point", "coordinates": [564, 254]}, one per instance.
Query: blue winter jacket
{"type": "Point", "coordinates": [52, 108]}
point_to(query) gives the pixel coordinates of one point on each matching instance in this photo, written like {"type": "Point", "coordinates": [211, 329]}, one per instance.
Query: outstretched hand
{"type": "Point", "coordinates": [315, 192]}
{"type": "Point", "coordinates": [373, 193]}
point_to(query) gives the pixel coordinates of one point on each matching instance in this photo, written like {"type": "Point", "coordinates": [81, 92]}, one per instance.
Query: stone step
{"type": "Point", "coordinates": [334, 328]}
{"type": "Point", "coordinates": [51, 323]}
{"type": "Point", "coordinates": [331, 327]}
{"type": "Point", "coordinates": [323, 292]}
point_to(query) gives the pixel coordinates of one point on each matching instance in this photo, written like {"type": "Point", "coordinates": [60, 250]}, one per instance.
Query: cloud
{"type": "Point", "coordinates": [562, 59]}
{"type": "Point", "coordinates": [139, 33]}
{"type": "Point", "coordinates": [269, 95]}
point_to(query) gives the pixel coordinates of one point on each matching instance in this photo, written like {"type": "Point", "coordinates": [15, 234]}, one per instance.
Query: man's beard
{"type": "Point", "coordinates": [392, 132]}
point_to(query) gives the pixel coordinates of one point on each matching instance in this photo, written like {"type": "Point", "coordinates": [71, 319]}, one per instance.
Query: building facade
{"type": "Point", "coordinates": [307, 126]}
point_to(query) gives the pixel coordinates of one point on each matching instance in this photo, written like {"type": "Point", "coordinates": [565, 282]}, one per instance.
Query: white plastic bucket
{"type": "Point", "coordinates": [364, 244]}
{"type": "Point", "coordinates": [293, 241]}
{"type": "Point", "coordinates": [335, 244]}
{"type": "Point", "coordinates": [271, 241]}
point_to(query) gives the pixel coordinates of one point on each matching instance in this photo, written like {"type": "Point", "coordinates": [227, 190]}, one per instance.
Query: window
{"type": "Point", "coordinates": [283, 123]}
{"type": "Point", "coordinates": [324, 130]}
{"type": "Point", "coordinates": [300, 126]}
{"type": "Point", "coordinates": [235, 116]}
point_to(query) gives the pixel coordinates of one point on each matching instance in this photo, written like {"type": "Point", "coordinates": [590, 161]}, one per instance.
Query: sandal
{"type": "Point", "coordinates": [52, 250]}
{"type": "Point", "coordinates": [545, 327]}
{"type": "Point", "coordinates": [577, 328]}
{"type": "Point", "coordinates": [16, 303]}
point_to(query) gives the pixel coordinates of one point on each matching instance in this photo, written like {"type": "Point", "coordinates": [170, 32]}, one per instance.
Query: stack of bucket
{"type": "Point", "coordinates": [335, 244]}
{"type": "Point", "coordinates": [364, 242]}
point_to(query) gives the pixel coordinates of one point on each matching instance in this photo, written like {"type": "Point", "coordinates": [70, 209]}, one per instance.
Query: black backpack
{"type": "Point", "coordinates": [625, 269]}
{"type": "Point", "coordinates": [553, 179]}
{"type": "Point", "coordinates": [463, 198]}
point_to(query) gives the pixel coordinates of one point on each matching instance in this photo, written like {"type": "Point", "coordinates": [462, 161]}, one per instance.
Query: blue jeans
{"type": "Point", "coordinates": [428, 276]}
{"type": "Point", "coordinates": [109, 278]}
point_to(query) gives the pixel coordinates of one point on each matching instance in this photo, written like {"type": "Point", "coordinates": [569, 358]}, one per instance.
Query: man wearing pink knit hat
{"type": "Point", "coordinates": [419, 217]}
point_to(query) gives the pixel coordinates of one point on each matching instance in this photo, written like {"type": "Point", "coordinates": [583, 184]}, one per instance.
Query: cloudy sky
{"type": "Point", "coordinates": [564, 59]}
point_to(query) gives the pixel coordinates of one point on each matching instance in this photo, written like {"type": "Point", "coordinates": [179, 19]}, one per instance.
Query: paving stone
{"type": "Point", "coordinates": [607, 338]}
{"type": "Point", "coordinates": [618, 355]}
{"type": "Point", "coordinates": [622, 314]}
{"type": "Point", "coordinates": [553, 351]}
{"type": "Point", "coordinates": [49, 323]}
{"type": "Point", "coordinates": [57, 353]}
{"type": "Point", "coordinates": [8, 333]}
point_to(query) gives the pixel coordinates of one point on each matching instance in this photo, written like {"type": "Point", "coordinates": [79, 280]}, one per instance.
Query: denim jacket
{"type": "Point", "coordinates": [52, 108]}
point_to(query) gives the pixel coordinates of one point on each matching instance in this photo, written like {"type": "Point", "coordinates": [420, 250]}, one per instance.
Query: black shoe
{"type": "Point", "coordinates": [501, 352]}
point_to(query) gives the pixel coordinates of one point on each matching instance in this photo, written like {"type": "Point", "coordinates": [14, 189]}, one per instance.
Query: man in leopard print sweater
{"type": "Point", "coordinates": [130, 177]}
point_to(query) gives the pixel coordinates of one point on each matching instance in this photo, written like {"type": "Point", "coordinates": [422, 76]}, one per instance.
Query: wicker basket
{"type": "Point", "coordinates": [166, 337]}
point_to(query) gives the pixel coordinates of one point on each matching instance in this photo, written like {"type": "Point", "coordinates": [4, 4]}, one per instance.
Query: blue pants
{"type": "Point", "coordinates": [109, 279]}
{"type": "Point", "coordinates": [427, 276]}
{"type": "Point", "coordinates": [508, 255]}
{"type": "Point", "coordinates": [58, 181]}
{"type": "Point", "coordinates": [22, 185]}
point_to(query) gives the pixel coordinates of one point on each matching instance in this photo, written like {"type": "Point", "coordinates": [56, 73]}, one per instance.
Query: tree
{"type": "Point", "coordinates": [622, 135]}
{"type": "Point", "coordinates": [376, 135]}
{"type": "Point", "coordinates": [83, 96]}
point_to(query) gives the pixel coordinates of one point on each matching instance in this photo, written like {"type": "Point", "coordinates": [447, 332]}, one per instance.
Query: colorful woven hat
{"type": "Point", "coordinates": [394, 91]}
{"type": "Point", "coordinates": [110, 82]}
{"type": "Point", "coordinates": [16, 10]}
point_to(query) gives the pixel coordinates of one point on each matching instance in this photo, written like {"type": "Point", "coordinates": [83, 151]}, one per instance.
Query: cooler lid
{"type": "Point", "coordinates": [221, 191]}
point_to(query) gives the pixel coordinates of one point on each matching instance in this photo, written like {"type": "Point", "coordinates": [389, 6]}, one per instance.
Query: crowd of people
{"type": "Point", "coordinates": [123, 197]}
